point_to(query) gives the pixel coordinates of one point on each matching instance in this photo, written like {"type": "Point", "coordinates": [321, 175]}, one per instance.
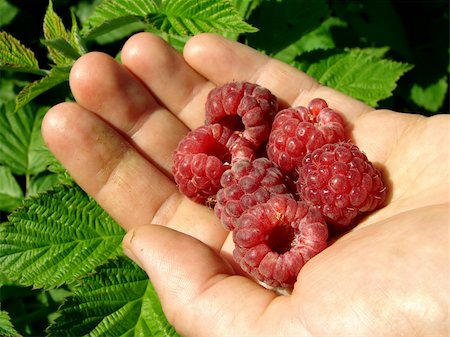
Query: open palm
{"type": "Point", "coordinates": [387, 277]}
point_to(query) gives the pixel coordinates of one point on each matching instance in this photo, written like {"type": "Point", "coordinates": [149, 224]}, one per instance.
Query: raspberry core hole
{"type": "Point", "coordinates": [280, 239]}
{"type": "Point", "coordinates": [220, 151]}
{"type": "Point", "coordinates": [233, 122]}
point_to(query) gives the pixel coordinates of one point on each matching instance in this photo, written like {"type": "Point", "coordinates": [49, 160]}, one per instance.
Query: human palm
{"type": "Point", "coordinates": [386, 277]}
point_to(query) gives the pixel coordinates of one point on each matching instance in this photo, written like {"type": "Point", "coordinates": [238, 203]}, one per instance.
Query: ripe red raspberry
{"type": "Point", "coordinates": [200, 159]}
{"type": "Point", "coordinates": [342, 182]}
{"type": "Point", "coordinates": [244, 185]}
{"type": "Point", "coordinates": [297, 131]}
{"type": "Point", "coordinates": [244, 107]}
{"type": "Point", "coordinates": [273, 240]}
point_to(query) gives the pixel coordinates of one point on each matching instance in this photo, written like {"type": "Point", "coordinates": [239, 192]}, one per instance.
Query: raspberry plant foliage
{"type": "Point", "coordinates": [57, 237]}
{"type": "Point", "coordinates": [132, 304]}
{"type": "Point", "coordinates": [41, 206]}
{"type": "Point", "coordinates": [6, 328]}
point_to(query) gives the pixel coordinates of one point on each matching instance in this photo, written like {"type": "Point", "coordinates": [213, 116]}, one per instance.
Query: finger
{"type": "Point", "coordinates": [105, 164]}
{"type": "Point", "coordinates": [130, 188]}
{"type": "Point", "coordinates": [103, 86]}
{"type": "Point", "coordinates": [221, 60]}
{"type": "Point", "coordinates": [198, 291]}
{"type": "Point", "coordinates": [167, 75]}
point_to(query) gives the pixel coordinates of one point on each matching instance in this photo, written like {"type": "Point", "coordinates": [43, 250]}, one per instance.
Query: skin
{"type": "Point", "coordinates": [389, 276]}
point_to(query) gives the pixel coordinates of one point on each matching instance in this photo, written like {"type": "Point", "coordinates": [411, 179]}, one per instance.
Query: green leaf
{"type": "Point", "coordinates": [64, 177]}
{"type": "Point", "coordinates": [21, 139]}
{"type": "Point", "coordinates": [4, 280]}
{"type": "Point", "coordinates": [41, 183]}
{"type": "Point", "coordinates": [432, 96]}
{"type": "Point", "coordinates": [190, 17]}
{"type": "Point", "coordinates": [376, 52]}
{"type": "Point", "coordinates": [176, 41]}
{"type": "Point", "coordinates": [319, 38]}
{"type": "Point", "coordinates": [53, 25]}
{"type": "Point", "coordinates": [10, 85]}
{"type": "Point", "coordinates": [359, 75]}
{"type": "Point", "coordinates": [7, 93]}
{"type": "Point", "coordinates": [6, 327]}
{"type": "Point", "coordinates": [57, 75]}
{"type": "Point", "coordinates": [121, 33]}
{"type": "Point", "coordinates": [14, 56]}
{"type": "Point", "coordinates": [108, 26]}
{"type": "Point", "coordinates": [8, 11]}
{"type": "Point", "coordinates": [84, 8]}
{"type": "Point", "coordinates": [57, 237]}
{"type": "Point", "coordinates": [107, 18]}
{"type": "Point", "coordinates": [76, 41]}
{"type": "Point", "coordinates": [180, 17]}
{"type": "Point", "coordinates": [113, 14]}
{"type": "Point", "coordinates": [54, 30]}
{"type": "Point", "coordinates": [55, 167]}
{"type": "Point", "coordinates": [11, 194]}
{"type": "Point", "coordinates": [63, 48]}
{"type": "Point", "coordinates": [118, 300]}
{"type": "Point", "coordinates": [245, 7]}
{"type": "Point", "coordinates": [284, 22]}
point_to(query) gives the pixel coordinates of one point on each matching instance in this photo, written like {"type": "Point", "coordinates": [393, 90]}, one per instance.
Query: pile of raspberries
{"type": "Point", "coordinates": [282, 180]}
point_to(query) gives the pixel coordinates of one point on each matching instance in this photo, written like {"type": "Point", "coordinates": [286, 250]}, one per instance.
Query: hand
{"type": "Point", "coordinates": [386, 277]}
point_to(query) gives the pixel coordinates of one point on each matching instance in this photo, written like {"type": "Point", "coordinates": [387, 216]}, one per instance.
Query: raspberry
{"type": "Point", "coordinates": [273, 240]}
{"type": "Point", "coordinates": [275, 234]}
{"type": "Point", "coordinates": [200, 159]}
{"type": "Point", "coordinates": [297, 131]}
{"type": "Point", "coordinates": [244, 185]}
{"type": "Point", "coordinates": [342, 182]}
{"type": "Point", "coordinates": [244, 107]}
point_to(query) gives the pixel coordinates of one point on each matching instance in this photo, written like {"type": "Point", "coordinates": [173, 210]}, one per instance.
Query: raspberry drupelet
{"type": "Point", "coordinates": [342, 182]}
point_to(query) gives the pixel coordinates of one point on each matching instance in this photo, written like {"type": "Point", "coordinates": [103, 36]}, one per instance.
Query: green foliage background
{"type": "Point", "coordinates": [62, 270]}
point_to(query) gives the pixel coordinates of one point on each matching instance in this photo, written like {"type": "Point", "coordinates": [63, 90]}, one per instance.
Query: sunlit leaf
{"type": "Point", "coordinates": [54, 30]}
{"type": "Point", "coordinates": [56, 76]}
{"type": "Point", "coordinates": [180, 17]}
{"type": "Point", "coordinates": [118, 300]}
{"type": "Point", "coordinates": [63, 49]}
{"type": "Point", "coordinates": [359, 74]}
{"type": "Point", "coordinates": [15, 56]}
{"type": "Point", "coordinates": [188, 17]}
{"type": "Point", "coordinates": [113, 14]}
{"type": "Point", "coordinates": [6, 327]}
{"type": "Point", "coordinates": [57, 237]}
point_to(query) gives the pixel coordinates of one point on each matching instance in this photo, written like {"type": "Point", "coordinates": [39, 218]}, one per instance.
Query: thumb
{"type": "Point", "coordinates": [199, 292]}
